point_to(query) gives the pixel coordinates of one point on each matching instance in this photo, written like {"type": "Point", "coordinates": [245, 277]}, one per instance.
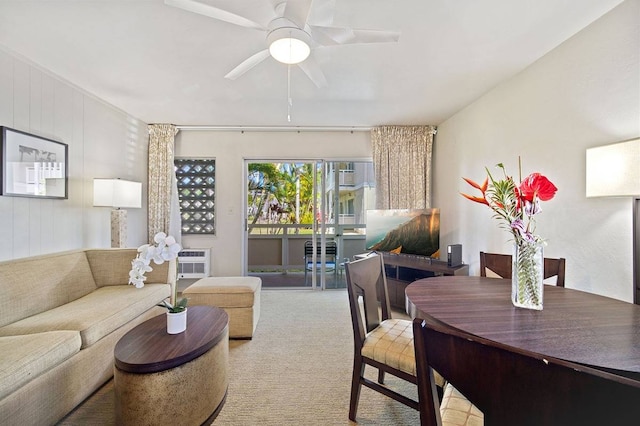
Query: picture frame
{"type": "Point", "coordinates": [33, 166]}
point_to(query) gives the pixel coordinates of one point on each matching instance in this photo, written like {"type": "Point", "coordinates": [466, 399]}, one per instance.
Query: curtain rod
{"type": "Point", "coordinates": [278, 128]}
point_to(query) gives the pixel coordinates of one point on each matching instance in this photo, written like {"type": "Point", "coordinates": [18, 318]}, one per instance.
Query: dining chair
{"type": "Point", "coordinates": [379, 340]}
{"type": "Point", "coordinates": [500, 264]}
{"type": "Point", "coordinates": [331, 257]}
{"type": "Point", "coordinates": [514, 386]}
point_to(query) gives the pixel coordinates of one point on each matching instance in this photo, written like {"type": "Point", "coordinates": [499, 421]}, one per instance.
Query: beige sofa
{"type": "Point", "coordinates": [60, 318]}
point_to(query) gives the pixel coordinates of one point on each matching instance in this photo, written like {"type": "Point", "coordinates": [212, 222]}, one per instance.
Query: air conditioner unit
{"type": "Point", "coordinates": [194, 263]}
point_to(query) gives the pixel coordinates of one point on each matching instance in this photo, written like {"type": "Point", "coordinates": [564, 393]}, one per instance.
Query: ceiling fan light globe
{"type": "Point", "coordinates": [289, 50]}
{"type": "Point", "coordinates": [288, 44]}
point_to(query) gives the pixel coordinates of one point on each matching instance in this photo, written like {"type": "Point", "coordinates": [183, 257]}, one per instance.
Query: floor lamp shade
{"type": "Point", "coordinates": [614, 170]}
{"type": "Point", "coordinates": [118, 194]}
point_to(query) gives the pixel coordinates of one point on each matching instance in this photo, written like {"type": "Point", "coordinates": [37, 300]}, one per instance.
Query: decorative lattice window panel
{"type": "Point", "coordinates": [196, 191]}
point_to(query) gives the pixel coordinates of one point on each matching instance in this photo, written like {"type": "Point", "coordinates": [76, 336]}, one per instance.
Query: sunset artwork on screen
{"type": "Point", "coordinates": [408, 231]}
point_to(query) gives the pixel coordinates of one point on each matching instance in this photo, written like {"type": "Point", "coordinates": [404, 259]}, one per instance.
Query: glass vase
{"type": "Point", "coordinates": [527, 275]}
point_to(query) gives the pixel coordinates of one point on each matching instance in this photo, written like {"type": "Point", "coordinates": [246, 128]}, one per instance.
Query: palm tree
{"type": "Point", "coordinates": [284, 185]}
{"type": "Point", "coordinates": [261, 181]}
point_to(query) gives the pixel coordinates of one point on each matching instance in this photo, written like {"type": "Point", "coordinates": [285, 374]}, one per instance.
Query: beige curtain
{"type": "Point", "coordinates": [164, 211]}
{"type": "Point", "coordinates": [402, 163]}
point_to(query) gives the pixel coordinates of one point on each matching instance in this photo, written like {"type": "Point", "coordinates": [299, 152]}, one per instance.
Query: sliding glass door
{"type": "Point", "coordinates": [296, 206]}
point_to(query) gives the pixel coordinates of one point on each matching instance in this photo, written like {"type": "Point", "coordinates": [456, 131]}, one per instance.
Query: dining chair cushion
{"type": "Point", "coordinates": [391, 343]}
{"type": "Point", "coordinates": [457, 410]}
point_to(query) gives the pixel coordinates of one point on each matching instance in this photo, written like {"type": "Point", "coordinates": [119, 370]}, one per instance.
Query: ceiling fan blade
{"type": "Point", "coordinates": [215, 13]}
{"type": "Point", "coordinates": [247, 64]}
{"type": "Point", "coordinates": [314, 72]}
{"type": "Point", "coordinates": [297, 11]}
{"type": "Point", "coordinates": [341, 35]}
{"type": "Point", "coordinates": [322, 12]}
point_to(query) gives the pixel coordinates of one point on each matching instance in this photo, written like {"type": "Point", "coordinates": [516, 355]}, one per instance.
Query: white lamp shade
{"type": "Point", "coordinates": [614, 170]}
{"type": "Point", "coordinates": [117, 193]}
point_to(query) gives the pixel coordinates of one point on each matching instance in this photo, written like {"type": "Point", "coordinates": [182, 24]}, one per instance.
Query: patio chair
{"type": "Point", "coordinates": [331, 258]}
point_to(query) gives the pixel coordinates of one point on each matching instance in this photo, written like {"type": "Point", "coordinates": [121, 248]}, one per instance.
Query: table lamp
{"type": "Point", "coordinates": [614, 171]}
{"type": "Point", "coordinates": [117, 194]}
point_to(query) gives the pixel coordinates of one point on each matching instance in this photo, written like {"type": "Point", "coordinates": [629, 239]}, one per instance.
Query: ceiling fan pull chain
{"type": "Point", "coordinates": [289, 101]}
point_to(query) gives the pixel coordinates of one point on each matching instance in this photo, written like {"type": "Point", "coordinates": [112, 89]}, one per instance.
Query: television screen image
{"type": "Point", "coordinates": [409, 231]}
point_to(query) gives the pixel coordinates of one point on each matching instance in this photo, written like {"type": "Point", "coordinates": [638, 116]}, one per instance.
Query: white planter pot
{"type": "Point", "coordinates": [176, 323]}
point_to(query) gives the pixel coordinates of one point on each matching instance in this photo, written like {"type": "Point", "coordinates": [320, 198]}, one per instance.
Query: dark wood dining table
{"type": "Point", "coordinates": [574, 325]}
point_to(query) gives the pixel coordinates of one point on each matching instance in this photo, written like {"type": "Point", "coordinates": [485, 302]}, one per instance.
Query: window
{"type": "Point", "coordinates": [196, 192]}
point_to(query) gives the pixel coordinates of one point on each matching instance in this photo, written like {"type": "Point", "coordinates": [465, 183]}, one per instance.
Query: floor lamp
{"type": "Point", "coordinates": [614, 171]}
{"type": "Point", "coordinates": [118, 194]}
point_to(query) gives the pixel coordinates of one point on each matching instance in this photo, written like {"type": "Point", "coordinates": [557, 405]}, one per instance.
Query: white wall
{"type": "Point", "coordinates": [584, 93]}
{"type": "Point", "coordinates": [103, 142]}
{"type": "Point", "coordinates": [231, 149]}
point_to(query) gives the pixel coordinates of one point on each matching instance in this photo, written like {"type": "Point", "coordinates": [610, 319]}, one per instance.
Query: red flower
{"type": "Point", "coordinates": [537, 186]}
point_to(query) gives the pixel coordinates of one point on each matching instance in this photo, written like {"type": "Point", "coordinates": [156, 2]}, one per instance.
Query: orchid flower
{"type": "Point", "coordinates": [139, 266]}
{"type": "Point", "coordinates": [165, 248]}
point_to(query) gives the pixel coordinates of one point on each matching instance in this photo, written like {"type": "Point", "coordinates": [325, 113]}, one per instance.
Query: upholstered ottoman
{"type": "Point", "coordinates": [238, 296]}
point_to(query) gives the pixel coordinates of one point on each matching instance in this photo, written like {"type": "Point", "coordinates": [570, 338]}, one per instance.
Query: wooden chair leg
{"type": "Point", "coordinates": [358, 373]}
{"type": "Point", "coordinates": [381, 377]}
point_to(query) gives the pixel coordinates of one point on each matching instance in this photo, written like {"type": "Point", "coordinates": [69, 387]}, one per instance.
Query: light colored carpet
{"type": "Point", "coordinates": [295, 371]}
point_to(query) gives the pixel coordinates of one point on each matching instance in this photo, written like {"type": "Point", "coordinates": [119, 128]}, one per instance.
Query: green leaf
{"type": "Point", "coordinates": [180, 306]}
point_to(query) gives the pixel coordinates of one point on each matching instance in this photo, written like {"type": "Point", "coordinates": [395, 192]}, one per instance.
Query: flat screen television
{"type": "Point", "coordinates": [409, 231]}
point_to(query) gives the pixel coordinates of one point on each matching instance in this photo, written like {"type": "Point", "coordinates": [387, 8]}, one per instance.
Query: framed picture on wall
{"type": "Point", "coordinates": [32, 166]}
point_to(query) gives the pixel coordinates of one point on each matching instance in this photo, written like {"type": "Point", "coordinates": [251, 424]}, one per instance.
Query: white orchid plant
{"type": "Point", "coordinates": [165, 248]}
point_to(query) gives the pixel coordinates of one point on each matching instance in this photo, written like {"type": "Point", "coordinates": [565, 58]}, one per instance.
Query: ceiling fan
{"type": "Point", "coordinates": [294, 31]}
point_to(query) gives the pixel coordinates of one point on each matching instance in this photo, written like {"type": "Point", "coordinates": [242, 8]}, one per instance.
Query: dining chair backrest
{"type": "Point", "coordinates": [555, 267]}
{"type": "Point", "coordinates": [500, 264]}
{"type": "Point", "coordinates": [513, 386]}
{"type": "Point", "coordinates": [366, 278]}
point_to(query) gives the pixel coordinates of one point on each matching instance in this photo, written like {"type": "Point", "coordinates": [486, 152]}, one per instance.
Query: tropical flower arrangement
{"type": "Point", "coordinates": [165, 248]}
{"type": "Point", "coordinates": [515, 205]}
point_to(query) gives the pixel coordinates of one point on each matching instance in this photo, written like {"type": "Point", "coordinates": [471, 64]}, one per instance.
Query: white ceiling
{"type": "Point", "coordinates": [165, 65]}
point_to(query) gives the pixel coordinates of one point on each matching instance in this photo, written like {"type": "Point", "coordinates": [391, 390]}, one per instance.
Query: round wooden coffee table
{"type": "Point", "coordinates": [162, 378]}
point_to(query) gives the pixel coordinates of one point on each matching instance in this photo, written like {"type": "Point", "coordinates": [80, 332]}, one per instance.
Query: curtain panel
{"type": "Point", "coordinates": [402, 164]}
{"type": "Point", "coordinates": [164, 210]}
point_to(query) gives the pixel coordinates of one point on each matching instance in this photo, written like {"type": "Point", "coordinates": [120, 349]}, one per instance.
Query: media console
{"type": "Point", "coordinates": [403, 269]}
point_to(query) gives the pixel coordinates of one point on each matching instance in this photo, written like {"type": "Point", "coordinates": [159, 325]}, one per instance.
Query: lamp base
{"type": "Point", "coordinates": [118, 228]}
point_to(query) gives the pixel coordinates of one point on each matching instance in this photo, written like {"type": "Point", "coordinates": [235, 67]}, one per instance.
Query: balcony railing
{"type": "Point", "coordinates": [347, 178]}
{"type": "Point", "coordinates": [280, 248]}
{"type": "Point", "coordinates": [347, 219]}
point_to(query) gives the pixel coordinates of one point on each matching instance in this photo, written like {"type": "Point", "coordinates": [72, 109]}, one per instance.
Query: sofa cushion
{"type": "Point", "coordinates": [94, 315]}
{"type": "Point", "coordinates": [112, 266]}
{"type": "Point", "coordinates": [38, 284]}
{"type": "Point", "coordinates": [27, 357]}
